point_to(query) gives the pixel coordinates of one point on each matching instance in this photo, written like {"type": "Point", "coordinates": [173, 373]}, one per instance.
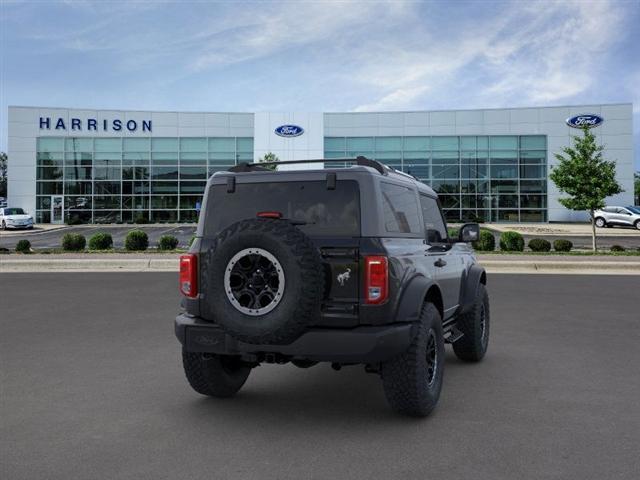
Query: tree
{"type": "Point", "coordinates": [585, 177]}
{"type": "Point", "coordinates": [3, 174]}
{"type": "Point", "coordinates": [636, 188]}
{"type": "Point", "coordinates": [269, 157]}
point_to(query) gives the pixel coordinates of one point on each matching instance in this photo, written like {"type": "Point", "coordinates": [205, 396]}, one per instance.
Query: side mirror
{"type": "Point", "coordinates": [469, 232]}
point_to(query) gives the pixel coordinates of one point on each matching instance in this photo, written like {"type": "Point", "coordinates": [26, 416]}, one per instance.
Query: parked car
{"type": "Point", "coordinates": [344, 265]}
{"type": "Point", "coordinates": [621, 216]}
{"type": "Point", "coordinates": [3, 202]}
{"type": "Point", "coordinates": [15, 218]}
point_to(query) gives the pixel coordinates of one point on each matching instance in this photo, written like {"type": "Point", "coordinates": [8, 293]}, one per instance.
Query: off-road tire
{"type": "Point", "coordinates": [405, 377]}
{"type": "Point", "coordinates": [602, 222]}
{"type": "Point", "coordinates": [303, 273]}
{"type": "Point", "coordinates": [475, 341]}
{"type": "Point", "coordinates": [214, 375]}
{"type": "Point", "coordinates": [304, 363]}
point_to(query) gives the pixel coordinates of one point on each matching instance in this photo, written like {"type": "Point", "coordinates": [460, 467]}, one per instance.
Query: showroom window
{"type": "Point", "coordinates": [477, 177]}
{"type": "Point", "coordinates": [127, 179]}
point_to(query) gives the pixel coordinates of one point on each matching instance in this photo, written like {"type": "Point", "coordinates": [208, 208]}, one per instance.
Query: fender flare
{"type": "Point", "coordinates": [412, 298]}
{"type": "Point", "coordinates": [474, 277]}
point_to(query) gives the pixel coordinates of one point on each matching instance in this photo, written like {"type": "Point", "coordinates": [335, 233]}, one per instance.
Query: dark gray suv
{"type": "Point", "coordinates": [342, 265]}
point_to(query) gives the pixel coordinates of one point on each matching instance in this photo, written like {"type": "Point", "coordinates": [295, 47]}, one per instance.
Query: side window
{"type": "Point", "coordinates": [433, 223]}
{"type": "Point", "coordinates": [400, 209]}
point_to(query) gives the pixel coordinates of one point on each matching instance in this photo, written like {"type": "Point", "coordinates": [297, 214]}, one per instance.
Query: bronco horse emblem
{"type": "Point", "coordinates": [343, 277]}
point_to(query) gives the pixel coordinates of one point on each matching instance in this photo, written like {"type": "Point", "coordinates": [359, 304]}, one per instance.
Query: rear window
{"type": "Point", "coordinates": [325, 212]}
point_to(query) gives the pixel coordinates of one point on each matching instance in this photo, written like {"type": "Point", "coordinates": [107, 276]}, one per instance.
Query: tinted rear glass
{"type": "Point", "coordinates": [326, 212]}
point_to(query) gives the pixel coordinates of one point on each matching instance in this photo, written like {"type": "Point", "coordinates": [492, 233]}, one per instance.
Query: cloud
{"type": "Point", "coordinates": [552, 56]}
{"type": "Point", "coordinates": [524, 55]}
{"type": "Point", "coordinates": [257, 33]}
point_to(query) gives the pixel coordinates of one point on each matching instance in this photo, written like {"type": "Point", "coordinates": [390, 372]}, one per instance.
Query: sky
{"type": "Point", "coordinates": [318, 55]}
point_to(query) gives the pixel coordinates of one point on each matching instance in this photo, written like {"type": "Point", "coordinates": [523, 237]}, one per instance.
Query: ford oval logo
{"type": "Point", "coordinates": [587, 120]}
{"type": "Point", "coordinates": [289, 131]}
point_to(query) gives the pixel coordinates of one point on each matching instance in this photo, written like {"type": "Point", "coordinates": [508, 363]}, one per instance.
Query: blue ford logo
{"type": "Point", "coordinates": [289, 131]}
{"type": "Point", "coordinates": [587, 120]}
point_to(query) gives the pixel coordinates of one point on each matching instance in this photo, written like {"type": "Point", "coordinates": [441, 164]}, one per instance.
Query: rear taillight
{"type": "Point", "coordinates": [189, 275]}
{"type": "Point", "coordinates": [269, 214]}
{"type": "Point", "coordinates": [376, 279]}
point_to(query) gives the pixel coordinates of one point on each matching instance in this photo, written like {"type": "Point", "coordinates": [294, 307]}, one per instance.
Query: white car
{"type": "Point", "coordinates": [622, 216]}
{"type": "Point", "coordinates": [15, 218]}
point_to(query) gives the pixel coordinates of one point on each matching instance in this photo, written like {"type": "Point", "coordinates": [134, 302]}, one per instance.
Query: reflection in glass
{"type": "Point", "coordinates": [440, 160]}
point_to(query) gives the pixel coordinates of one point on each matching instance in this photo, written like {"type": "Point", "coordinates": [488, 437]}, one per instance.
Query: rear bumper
{"type": "Point", "coordinates": [355, 345]}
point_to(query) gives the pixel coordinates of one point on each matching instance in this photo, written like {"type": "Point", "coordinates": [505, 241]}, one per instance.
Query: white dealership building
{"type": "Point", "coordinates": [119, 166]}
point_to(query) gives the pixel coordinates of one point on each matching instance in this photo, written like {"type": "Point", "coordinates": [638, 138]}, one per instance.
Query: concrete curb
{"type": "Point", "coordinates": [27, 264]}
{"type": "Point", "coordinates": [569, 267]}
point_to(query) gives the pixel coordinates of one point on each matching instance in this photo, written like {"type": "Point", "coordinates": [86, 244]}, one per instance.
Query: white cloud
{"type": "Point", "coordinates": [551, 57]}
{"type": "Point", "coordinates": [260, 32]}
{"type": "Point", "coordinates": [525, 55]}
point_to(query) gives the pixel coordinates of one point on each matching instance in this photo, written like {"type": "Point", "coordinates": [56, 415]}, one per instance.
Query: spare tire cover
{"type": "Point", "coordinates": [262, 281]}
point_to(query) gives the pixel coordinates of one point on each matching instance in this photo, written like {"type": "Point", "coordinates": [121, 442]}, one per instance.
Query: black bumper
{"type": "Point", "coordinates": [355, 345]}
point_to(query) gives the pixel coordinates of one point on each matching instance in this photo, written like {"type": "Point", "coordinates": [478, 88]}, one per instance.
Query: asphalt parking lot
{"type": "Point", "coordinates": [92, 387]}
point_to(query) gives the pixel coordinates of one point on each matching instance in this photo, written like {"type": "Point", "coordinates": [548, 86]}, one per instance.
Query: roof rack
{"type": "Point", "coordinates": [362, 161]}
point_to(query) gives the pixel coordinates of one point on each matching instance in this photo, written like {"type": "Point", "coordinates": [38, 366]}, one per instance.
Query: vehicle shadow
{"type": "Point", "coordinates": [318, 396]}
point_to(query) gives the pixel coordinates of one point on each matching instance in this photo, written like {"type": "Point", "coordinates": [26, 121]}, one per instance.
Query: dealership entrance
{"type": "Point", "coordinates": [57, 209]}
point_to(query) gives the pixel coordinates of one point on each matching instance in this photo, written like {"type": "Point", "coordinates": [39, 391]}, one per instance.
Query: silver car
{"type": "Point", "coordinates": [15, 218]}
{"type": "Point", "coordinates": [622, 216]}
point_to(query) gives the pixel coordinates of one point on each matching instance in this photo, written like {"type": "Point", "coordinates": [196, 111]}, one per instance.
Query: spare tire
{"type": "Point", "coordinates": [263, 281]}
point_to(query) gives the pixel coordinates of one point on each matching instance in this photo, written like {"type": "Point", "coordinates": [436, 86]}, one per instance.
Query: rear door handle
{"type": "Point", "coordinates": [440, 263]}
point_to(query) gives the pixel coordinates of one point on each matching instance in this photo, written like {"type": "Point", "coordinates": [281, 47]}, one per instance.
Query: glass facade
{"type": "Point", "coordinates": [110, 180]}
{"type": "Point", "coordinates": [501, 178]}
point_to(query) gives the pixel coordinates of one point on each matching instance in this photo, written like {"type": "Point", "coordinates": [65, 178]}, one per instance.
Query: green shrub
{"type": "Point", "coordinates": [453, 233]}
{"type": "Point", "coordinates": [617, 248]}
{"type": "Point", "coordinates": [486, 242]}
{"type": "Point", "coordinates": [511, 242]}
{"type": "Point", "coordinates": [136, 240]}
{"type": "Point", "coordinates": [167, 242]}
{"type": "Point", "coordinates": [142, 219]}
{"type": "Point", "coordinates": [101, 241]}
{"type": "Point", "coordinates": [539, 245]}
{"type": "Point", "coordinates": [73, 242]}
{"type": "Point", "coordinates": [562, 245]}
{"type": "Point", "coordinates": [23, 246]}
